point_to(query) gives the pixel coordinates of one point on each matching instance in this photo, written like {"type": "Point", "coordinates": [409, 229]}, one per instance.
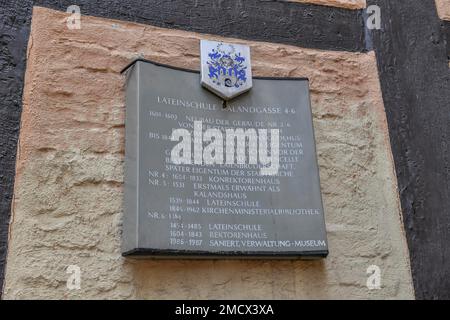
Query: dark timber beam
{"type": "Point", "coordinates": [446, 31]}
{"type": "Point", "coordinates": [415, 80]}
{"type": "Point", "coordinates": [299, 24]}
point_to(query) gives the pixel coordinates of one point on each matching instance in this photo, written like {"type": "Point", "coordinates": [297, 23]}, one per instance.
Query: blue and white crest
{"type": "Point", "coordinates": [226, 68]}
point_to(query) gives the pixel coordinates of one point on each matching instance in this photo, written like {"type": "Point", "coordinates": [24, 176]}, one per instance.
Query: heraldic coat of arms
{"type": "Point", "coordinates": [226, 68]}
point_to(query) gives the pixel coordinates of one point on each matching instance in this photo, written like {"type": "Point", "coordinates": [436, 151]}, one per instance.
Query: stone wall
{"type": "Point", "coordinates": [67, 207]}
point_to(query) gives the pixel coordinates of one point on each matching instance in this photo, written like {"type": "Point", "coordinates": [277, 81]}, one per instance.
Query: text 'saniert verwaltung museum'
{"type": "Point", "coordinates": [225, 149]}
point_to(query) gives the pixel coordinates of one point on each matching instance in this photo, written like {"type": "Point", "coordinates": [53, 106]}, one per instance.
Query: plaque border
{"type": "Point", "coordinates": [244, 255]}
{"type": "Point", "coordinates": [173, 254]}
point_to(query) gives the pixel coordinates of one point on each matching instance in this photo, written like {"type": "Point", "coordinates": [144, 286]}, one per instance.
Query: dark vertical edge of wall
{"type": "Point", "coordinates": [412, 60]}
{"type": "Point", "coordinates": [14, 31]}
{"type": "Point", "coordinates": [446, 31]}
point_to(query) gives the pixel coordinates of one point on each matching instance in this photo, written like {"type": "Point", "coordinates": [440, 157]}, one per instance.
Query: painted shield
{"type": "Point", "coordinates": [225, 68]}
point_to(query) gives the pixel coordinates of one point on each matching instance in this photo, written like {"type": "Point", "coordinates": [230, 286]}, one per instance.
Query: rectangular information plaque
{"type": "Point", "coordinates": [194, 209]}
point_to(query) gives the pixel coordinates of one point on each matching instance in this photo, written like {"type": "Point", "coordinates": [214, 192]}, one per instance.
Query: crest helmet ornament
{"type": "Point", "coordinates": [225, 68]}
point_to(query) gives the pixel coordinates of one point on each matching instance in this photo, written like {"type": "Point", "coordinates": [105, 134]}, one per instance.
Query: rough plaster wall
{"type": "Point", "coordinates": [348, 4]}
{"type": "Point", "coordinates": [443, 8]}
{"type": "Point", "coordinates": [68, 194]}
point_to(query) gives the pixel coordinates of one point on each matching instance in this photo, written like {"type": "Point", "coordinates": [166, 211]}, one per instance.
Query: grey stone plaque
{"type": "Point", "coordinates": [195, 209]}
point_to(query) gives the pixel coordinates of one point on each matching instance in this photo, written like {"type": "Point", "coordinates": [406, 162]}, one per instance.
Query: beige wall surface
{"type": "Point", "coordinates": [67, 207]}
{"type": "Point", "coordinates": [443, 8]}
{"type": "Point", "coordinates": [348, 4]}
